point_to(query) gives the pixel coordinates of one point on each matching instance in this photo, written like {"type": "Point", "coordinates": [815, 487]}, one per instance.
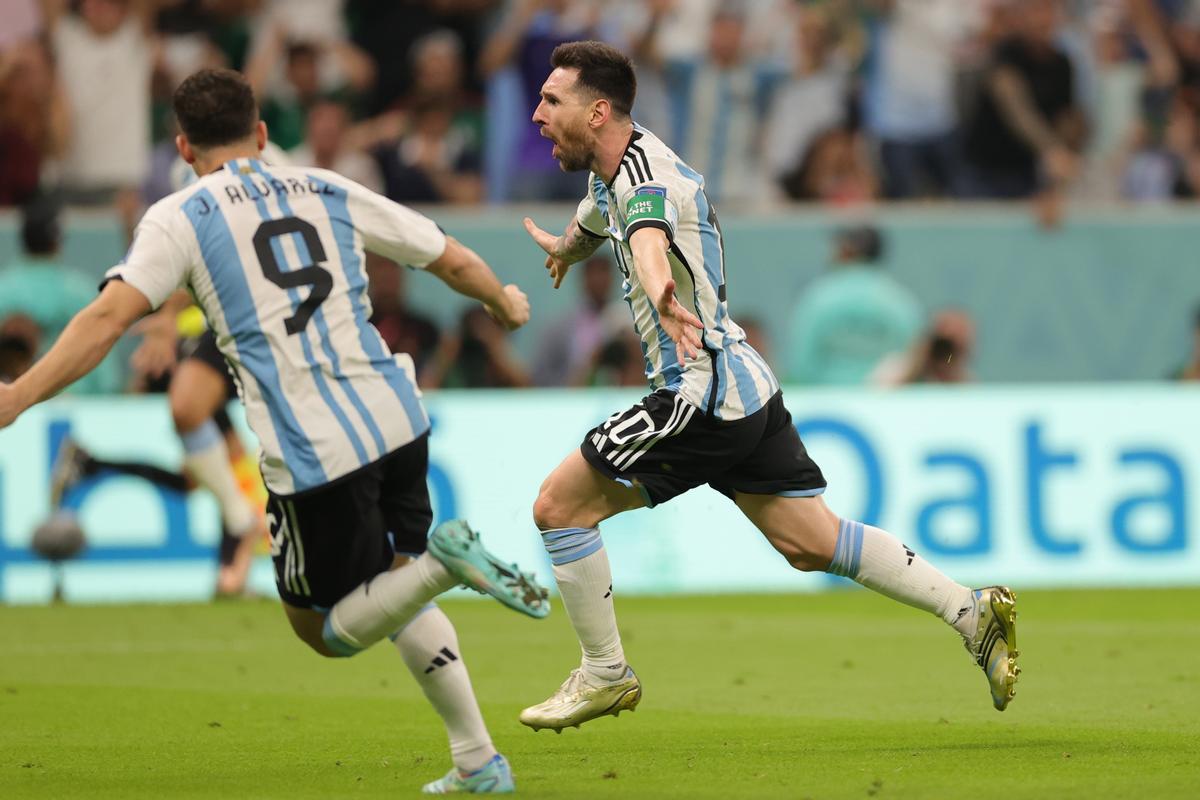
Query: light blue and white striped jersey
{"type": "Point", "coordinates": [275, 258]}
{"type": "Point", "coordinates": [654, 188]}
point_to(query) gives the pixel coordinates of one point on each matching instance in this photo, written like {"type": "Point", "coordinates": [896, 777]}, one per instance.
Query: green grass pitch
{"type": "Point", "coordinates": [842, 695]}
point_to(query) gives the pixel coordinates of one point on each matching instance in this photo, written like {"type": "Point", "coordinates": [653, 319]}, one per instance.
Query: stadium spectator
{"type": "Point", "coordinates": [851, 318]}
{"type": "Point", "coordinates": [37, 288]}
{"type": "Point", "coordinates": [404, 329]}
{"type": "Point", "coordinates": [1028, 128]}
{"type": "Point", "coordinates": [618, 361]}
{"type": "Point", "coordinates": [909, 94]}
{"type": "Point", "coordinates": [812, 101]}
{"type": "Point", "coordinates": [308, 38]}
{"type": "Point", "coordinates": [717, 103]}
{"type": "Point", "coordinates": [388, 33]}
{"type": "Point", "coordinates": [524, 40]}
{"type": "Point", "coordinates": [569, 344]}
{"type": "Point", "coordinates": [324, 146]}
{"type": "Point", "coordinates": [836, 170]}
{"type": "Point", "coordinates": [34, 118]}
{"type": "Point", "coordinates": [1133, 76]}
{"type": "Point", "coordinates": [105, 56]}
{"type": "Point", "coordinates": [1190, 370]}
{"type": "Point", "coordinates": [941, 355]}
{"type": "Point", "coordinates": [478, 355]}
{"type": "Point", "coordinates": [428, 146]}
{"type": "Point", "coordinates": [16, 350]}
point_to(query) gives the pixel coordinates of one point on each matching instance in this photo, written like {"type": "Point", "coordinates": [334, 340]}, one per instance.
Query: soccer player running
{"type": "Point", "coordinates": [274, 257]}
{"type": "Point", "coordinates": [715, 414]}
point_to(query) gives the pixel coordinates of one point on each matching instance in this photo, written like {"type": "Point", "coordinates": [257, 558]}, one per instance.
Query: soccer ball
{"type": "Point", "coordinates": [59, 537]}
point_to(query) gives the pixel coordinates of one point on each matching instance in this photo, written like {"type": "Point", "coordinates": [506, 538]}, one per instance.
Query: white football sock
{"type": "Point", "coordinates": [429, 646]}
{"type": "Point", "coordinates": [585, 582]}
{"type": "Point", "coordinates": [380, 605]}
{"type": "Point", "coordinates": [206, 459]}
{"type": "Point", "coordinates": [879, 561]}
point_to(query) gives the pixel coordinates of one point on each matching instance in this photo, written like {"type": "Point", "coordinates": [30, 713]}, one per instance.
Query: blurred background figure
{"type": "Point", "coordinates": [813, 100]}
{"type": "Point", "coordinates": [34, 114]}
{"type": "Point", "coordinates": [567, 348]}
{"type": "Point", "coordinates": [20, 338]}
{"type": "Point", "coordinates": [105, 57]}
{"type": "Point", "coordinates": [716, 103]}
{"type": "Point", "coordinates": [402, 328]}
{"type": "Point", "coordinates": [38, 290]}
{"type": "Point", "coordinates": [301, 54]}
{"type": "Point", "coordinates": [324, 146]}
{"type": "Point", "coordinates": [522, 43]}
{"type": "Point", "coordinates": [478, 355]}
{"type": "Point", "coordinates": [852, 317]}
{"type": "Point", "coordinates": [1028, 127]}
{"type": "Point", "coordinates": [909, 96]}
{"type": "Point", "coordinates": [941, 355]}
{"type": "Point", "coordinates": [429, 146]}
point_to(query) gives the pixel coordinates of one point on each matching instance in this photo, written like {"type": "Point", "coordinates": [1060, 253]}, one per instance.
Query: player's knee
{"type": "Point", "coordinates": [552, 510]}
{"type": "Point", "coordinates": [186, 416]}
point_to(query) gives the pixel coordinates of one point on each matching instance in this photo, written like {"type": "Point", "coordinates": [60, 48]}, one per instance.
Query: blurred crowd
{"type": "Point", "coordinates": [834, 101]}
{"type": "Point", "coordinates": [837, 102]}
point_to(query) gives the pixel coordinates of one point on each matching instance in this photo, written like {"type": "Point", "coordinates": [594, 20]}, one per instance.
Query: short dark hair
{"type": "Point", "coordinates": [603, 69]}
{"type": "Point", "coordinates": [215, 107]}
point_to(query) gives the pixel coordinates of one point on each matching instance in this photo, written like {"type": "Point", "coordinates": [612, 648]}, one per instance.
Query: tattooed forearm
{"type": "Point", "coordinates": [576, 244]}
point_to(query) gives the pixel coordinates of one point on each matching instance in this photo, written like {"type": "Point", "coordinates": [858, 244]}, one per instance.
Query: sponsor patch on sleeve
{"type": "Point", "coordinates": [648, 202]}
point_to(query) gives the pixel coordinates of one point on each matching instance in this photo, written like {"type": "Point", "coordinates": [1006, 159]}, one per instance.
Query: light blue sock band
{"type": "Point", "coordinates": [202, 438]}
{"type": "Point", "coordinates": [394, 635]}
{"type": "Point", "coordinates": [337, 646]}
{"type": "Point", "coordinates": [571, 544]}
{"type": "Point", "coordinates": [848, 550]}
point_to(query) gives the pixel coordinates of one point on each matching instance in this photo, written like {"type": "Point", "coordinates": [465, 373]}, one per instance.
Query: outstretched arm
{"type": "Point", "coordinates": [649, 246]}
{"type": "Point", "coordinates": [82, 345]}
{"type": "Point", "coordinates": [574, 245]}
{"type": "Point", "coordinates": [461, 268]}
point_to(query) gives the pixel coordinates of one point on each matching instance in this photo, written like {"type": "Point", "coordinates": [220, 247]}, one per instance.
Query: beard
{"type": "Point", "coordinates": [575, 153]}
{"type": "Point", "coordinates": [573, 160]}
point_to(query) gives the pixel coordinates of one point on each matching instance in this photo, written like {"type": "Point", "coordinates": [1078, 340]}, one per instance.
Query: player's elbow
{"type": "Point", "coordinates": [452, 264]}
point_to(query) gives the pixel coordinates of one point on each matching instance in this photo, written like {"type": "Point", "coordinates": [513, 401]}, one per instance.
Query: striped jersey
{"type": "Point", "coordinates": [275, 258]}
{"type": "Point", "coordinates": [653, 188]}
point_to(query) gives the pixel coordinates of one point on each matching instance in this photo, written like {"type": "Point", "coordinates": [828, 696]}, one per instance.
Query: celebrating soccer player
{"type": "Point", "coordinates": [715, 414]}
{"type": "Point", "coordinates": [274, 257]}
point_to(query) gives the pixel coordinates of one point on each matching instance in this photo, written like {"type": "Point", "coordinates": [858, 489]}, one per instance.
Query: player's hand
{"type": "Point", "coordinates": [679, 323]}
{"type": "Point", "coordinates": [548, 242]}
{"type": "Point", "coordinates": [513, 310]}
{"type": "Point", "coordinates": [155, 356]}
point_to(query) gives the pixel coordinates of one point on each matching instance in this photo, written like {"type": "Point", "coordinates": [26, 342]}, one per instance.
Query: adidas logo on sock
{"type": "Point", "coordinates": [442, 660]}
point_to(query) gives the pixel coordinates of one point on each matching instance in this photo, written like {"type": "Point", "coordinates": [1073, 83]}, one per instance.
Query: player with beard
{"type": "Point", "coordinates": [715, 414]}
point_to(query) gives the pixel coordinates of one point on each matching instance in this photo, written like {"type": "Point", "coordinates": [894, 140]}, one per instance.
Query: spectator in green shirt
{"type": "Point", "coordinates": [852, 317]}
{"type": "Point", "coordinates": [49, 293]}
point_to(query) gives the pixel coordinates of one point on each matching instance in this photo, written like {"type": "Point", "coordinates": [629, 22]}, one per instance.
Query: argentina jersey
{"type": "Point", "coordinates": [654, 188]}
{"type": "Point", "coordinates": [275, 258]}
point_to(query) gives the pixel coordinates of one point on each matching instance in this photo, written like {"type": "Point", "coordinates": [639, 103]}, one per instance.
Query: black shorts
{"type": "Point", "coordinates": [326, 541]}
{"type": "Point", "coordinates": [665, 446]}
{"type": "Point", "coordinates": [204, 349]}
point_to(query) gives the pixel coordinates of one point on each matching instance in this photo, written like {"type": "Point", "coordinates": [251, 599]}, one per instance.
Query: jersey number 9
{"type": "Point", "coordinates": [320, 281]}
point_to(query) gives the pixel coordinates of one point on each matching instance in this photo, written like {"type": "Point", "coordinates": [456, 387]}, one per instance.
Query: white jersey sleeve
{"type": "Point", "coordinates": [650, 204]}
{"type": "Point", "coordinates": [589, 216]}
{"type": "Point", "coordinates": [392, 230]}
{"type": "Point", "coordinates": [159, 259]}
